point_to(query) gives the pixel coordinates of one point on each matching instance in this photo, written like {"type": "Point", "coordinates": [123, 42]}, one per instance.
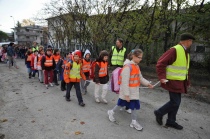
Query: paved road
{"type": "Point", "coordinates": [30, 111]}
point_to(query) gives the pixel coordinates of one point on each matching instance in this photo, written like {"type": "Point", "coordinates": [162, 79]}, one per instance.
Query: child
{"type": "Point", "coordinates": [34, 59]}
{"type": "Point", "coordinates": [130, 80]}
{"type": "Point", "coordinates": [101, 76]}
{"type": "Point", "coordinates": [86, 63]}
{"type": "Point", "coordinates": [72, 74]}
{"type": "Point", "coordinates": [56, 57]}
{"type": "Point", "coordinates": [28, 58]}
{"type": "Point", "coordinates": [61, 66]}
{"type": "Point", "coordinates": [39, 67]}
{"type": "Point", "coordinates": [48, 65]}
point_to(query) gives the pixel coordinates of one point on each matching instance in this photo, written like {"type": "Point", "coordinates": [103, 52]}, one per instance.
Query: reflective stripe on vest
{"type": "Point", "coordinates": [103, 69]}
{"type": "Point", "coordinates": [179, 69]}
{"type": "Point", "coordinates": [75, 71]}
{"type": "Point", "coordinates": [49, 61]}
{"type": "Point", "coordinates": [86, 66]}
{"type": "Point", "coordinates": [134, 80]}
{"type": "Point", "coordinates": [118, 58]}
{"type": "Point", "coordinates": [56, 58]}
{"type": "Point", "coordinates": [39, 61]}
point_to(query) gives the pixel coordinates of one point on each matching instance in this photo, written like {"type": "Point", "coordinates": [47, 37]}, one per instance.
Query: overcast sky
{"type": "Point", "coordinates": [19, 9]}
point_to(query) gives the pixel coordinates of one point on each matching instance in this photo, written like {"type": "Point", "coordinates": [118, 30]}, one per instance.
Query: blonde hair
{"type": "Point", "coordinates": [135, 52]}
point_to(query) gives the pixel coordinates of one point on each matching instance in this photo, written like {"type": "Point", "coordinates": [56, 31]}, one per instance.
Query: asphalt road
{"type": "Point", "coordinates": [30, 111]}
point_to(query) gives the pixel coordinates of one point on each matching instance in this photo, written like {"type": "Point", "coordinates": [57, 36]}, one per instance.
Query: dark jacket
{"type": "Point", "coordinates": [47, 68]}
{"type": "Point", "coordinates": [111, 52]}
{"type": "Point", "coordinates": [10, 51]}
{"type": "Point", "coordinates": [168, 58]}
{"type": "Point", "coordinates": [97, 79]}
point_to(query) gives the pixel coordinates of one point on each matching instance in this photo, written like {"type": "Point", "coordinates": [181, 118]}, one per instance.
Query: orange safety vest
{"type": "Point", "coordinates": [39, 60]}
{"type": "Point", "coordinates": [48, 61]}
{"type": "Point", "coordinates": [134, 80]}
{"type": "Point", "coordinates": [66, 72]}
{"type": "Point", "coordinates": [56, 58]}
{"type": "Point", "coordinates": [86, 66]}
{"type": "Point", "coordinates": [29, 57]}
{"type": "Point", "coordinates": [103, 68]}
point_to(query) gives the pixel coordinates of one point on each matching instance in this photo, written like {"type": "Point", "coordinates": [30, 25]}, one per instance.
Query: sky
{"type": "Point", "coordinates": [19, 9]}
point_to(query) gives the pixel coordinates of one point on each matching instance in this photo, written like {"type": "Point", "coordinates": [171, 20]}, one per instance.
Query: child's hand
{"type": "Point", "coordinates": [127, 98]}
{"type": "Point", "coordinates": [150, 86]}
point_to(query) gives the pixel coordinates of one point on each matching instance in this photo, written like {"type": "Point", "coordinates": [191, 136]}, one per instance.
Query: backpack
{"type": "Point", "coordinates": [115, 87]}
{"type": "Point", "coordinates": [92, 69]}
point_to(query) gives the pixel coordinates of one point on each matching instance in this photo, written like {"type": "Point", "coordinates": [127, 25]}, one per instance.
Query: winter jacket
{"type": "Point", "coordinates": [132, 92]}
{"type": "Point", "coordinates": [10, 51]}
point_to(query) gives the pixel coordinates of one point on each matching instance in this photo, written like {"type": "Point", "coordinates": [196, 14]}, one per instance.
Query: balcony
{"type": "Point", "coordinates": [29, 33]}
{"type": "Point", "coordinates": [25, 40]}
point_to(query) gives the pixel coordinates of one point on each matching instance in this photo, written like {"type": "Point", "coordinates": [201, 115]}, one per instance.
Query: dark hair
{"type": "Point", "coordinates": [55, 51]}
{"type": "Point", "coordinates": [48, 49]}
{"type": "Point", "coordinates": [66, 54]}
{"type": "Point", "coordinates": [102, 55]}
{"type": "Point", "coordinates": [135, 52]}
{"type": "Point", "coordinates": [120, 40]}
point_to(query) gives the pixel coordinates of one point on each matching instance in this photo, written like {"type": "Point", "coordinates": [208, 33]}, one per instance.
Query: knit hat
{"type": "Point", "coordinates": [187, 36]}
{"type": "Point", "coordinates": [86, 52]}
{"type": "Point", "coordinates": [78, 52]}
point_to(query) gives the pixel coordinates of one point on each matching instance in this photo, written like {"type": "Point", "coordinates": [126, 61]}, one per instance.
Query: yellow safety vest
{"type": "Point", "coordinates": [75, 71]}
{"type": "Point", "coordinates": [36, 48]}
{"type": "Point", "coordinates": [179, 69]}
{"type": "Point", "coordinates": [118, 58]}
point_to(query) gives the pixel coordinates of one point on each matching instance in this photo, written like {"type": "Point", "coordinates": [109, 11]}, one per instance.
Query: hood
{"type": "Point", "coordinates": [86, 52]}
{"type": "Point", "coordinates": [126, 61]}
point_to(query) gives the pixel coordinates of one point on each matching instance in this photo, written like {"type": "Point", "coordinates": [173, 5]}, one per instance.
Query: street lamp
{"type": "Point", "coordinates": [14, 28]}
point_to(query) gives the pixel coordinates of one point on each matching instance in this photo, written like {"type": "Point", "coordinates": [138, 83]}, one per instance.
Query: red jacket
{"type": "Point", "coordinates": [168, 58]}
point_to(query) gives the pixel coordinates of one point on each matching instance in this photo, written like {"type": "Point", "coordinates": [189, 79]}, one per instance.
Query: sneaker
{"type": "Point", "coordinates": [56, 84]}
{"type": "Point", "coordinates": [175, 125]}
{"type": "Point", "coordinates": [68, 99]}
{"type": "Point", "coordinates": [16, 67]}
{"type": "Point", "coordinates": [104, 101]}
{"type": "Point", "coordinates": [51, 84]}
{"type": "Point", "coordinates": [47, 86]}
{"type": "Point", "coordinates": [111, 115]}
{"type": "Point", "coordinates": [136, 125]}
{"type": "Point", "coordinates": [128, 111]}
{"type": "Point", "coordinates": [82, 104]}
{"type": "Point", "coordinates": [97, 100]}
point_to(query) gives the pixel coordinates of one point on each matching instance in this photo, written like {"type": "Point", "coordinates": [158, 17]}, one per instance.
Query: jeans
{"type": "Point", "coordinates": [41, 76]}
{"type": "Point", "coordinates": [171, 108]}
{"type": "Point", "coordinates": [78, 92]}
{"type": "Point", "coordinates": [34, 73]}
{"type": "Point", "coordinates": [84, 84]}
{"type": "Point", "coordinates": [55, 78]}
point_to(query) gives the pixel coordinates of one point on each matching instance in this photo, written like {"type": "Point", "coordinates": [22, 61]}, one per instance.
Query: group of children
{"type": "Point", "coordinates": [75, 71]}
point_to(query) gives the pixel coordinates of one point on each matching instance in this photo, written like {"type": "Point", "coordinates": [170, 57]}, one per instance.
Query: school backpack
{"type": "Point", "coordinates": [115, 87]}
{"type": "Point", "coordinates": [92, 69]}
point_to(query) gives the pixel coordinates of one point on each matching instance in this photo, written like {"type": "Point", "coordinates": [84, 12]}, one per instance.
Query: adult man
{"type": "Point", "coordinates": [11, 54]}
{"type": "Point", "coordinates": [173, 66]}
{"type": "Point", "coordinates": [35, 46]}
{"type": "Point", "coordinates": [117, 54]}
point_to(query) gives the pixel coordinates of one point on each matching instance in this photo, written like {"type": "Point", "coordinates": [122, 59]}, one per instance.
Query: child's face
{"type": "Point", "coordinates": [105, 58]}
{"type": "Point", "coordinates": [58, 53]}
{"type": "Point", "coordinates": [36, 53]}
{"type": "Point", "coordinates": [68, 56]}
{"type": "Point", "coordinates": [42, 52]}
{"type": "Point", "coordinates": [87, 56]}
{"type": "Point", "coordinates": [137, 59]}
{"type": "Point", "coordinates": [49, 52]}
{"type": "Point", "coordinates": [76, 58]}
{"type": "Point", "coordinates": [30, 50]}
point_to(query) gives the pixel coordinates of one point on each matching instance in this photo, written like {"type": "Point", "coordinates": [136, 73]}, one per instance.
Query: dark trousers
{"type": "Point", "coordinates": [55, 77]}
{"type": "Point", "coordinates": [171, 108]}
{"type": "Point", "coordinates": [78, 92]}
{"type": "Point", "coordinates": [34, 73]}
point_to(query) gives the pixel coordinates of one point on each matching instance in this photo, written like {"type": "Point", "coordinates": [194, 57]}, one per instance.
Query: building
{"type": "Point", "coordinates": [28, 34]}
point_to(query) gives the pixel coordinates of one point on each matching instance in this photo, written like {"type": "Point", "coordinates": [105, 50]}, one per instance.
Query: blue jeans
{"type": "Point", "coordinates": [171, 108]}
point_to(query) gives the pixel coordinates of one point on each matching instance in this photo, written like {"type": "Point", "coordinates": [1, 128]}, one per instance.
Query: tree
{"type": "Point", "coordinates": [18, 24]}
{"type": "Point", "coordinates": [27, 22]}
{"type": "Point", "coordinates": [3, 36]}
